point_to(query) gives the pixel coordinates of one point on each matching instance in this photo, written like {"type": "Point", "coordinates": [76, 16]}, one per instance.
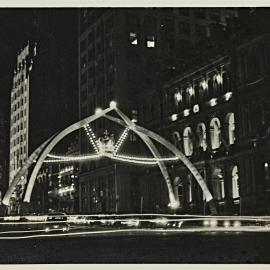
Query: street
{"type": "Point", "coordinates": [149, 247]}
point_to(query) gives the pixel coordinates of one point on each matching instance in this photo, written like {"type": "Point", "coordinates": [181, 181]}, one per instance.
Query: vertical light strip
{"type": "Point", "coordinates": [121, 140]}
{"type": "Point", "coordinates": [91, 136]}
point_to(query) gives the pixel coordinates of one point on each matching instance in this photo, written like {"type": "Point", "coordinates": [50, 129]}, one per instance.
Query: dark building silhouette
{"type": "Point", "coordinates": [123, 55]}
{"type": "Point", "coordinates": [53, 82]}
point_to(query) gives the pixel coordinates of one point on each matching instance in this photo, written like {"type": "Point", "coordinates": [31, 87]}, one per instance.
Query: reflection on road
{"type": "Point", "coordinates": [59, 225]}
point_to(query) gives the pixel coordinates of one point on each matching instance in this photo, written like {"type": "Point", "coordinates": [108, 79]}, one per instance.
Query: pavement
{"type": "Point", "coordinates": [144, 247]}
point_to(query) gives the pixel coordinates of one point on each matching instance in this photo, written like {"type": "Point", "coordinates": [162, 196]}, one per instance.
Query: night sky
{"type": "Point", "coordinates": [17, 26]}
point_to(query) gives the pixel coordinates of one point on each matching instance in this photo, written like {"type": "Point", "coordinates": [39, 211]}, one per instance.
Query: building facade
{"type": "Point", "coordinates": [217, 115]}
{"type": "Point", "coordinates": [124, 53]}
{"type": "Point", "coordinates": [19, 110]}
{"type": "Point", "coordinates": [43, 95]}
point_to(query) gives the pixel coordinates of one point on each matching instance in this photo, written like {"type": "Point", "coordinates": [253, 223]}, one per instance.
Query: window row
{"type": "Point", "coordinates": [197, 92]}
{"type": "Point", "coordinates": [216, 185]}
{"type": "Point", "coordinates": [19, 80]}
{"type": "Point", "coordinates": [17, 128]}
{"type": "Point", "coordinates": [202, 137]}
{"type": "Point", "coordinates": [18, 105]}
{"type": "Point", "coordinates": [148, 40]}
{"type": "Point", "coordinates": [18, 93]}
{"type": "Point", "coordinates": [18, 140]}
{"type": "Point", "coordinates": [18, 116]}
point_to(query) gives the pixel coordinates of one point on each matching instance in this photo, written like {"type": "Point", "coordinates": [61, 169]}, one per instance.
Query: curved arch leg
{"type": "Point", "coordinates": [52, 144]}
{"type": "Point", "coordinates": [174, 203]}
{"type": "Point", "coordinates": [22, 171]}
{"type": "Point", "coordinates": [180, 155]}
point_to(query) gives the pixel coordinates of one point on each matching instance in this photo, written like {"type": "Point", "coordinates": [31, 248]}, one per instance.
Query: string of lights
{"type": "Point", "coordinates": [131, 159]}
{"type": "Point", "coordinates": [91, 137]}
{"type": "Point", "coordinates": [121, 140]}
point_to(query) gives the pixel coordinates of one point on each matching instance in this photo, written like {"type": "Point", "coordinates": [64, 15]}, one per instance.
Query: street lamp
{"type": "Point", "coordinates": [113, 104]}
{"type": "Point", "coordinates": [98, 111]}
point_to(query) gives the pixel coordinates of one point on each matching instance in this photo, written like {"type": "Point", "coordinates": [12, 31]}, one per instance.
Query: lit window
{"type": "Point", "coordinates": [133, 38]}
{"type": "Point", "coordinates": [230, 123]}
{"type": "Point", "coordinates": [151, 42]}
{"type": "Point", "coordinates": [218, 184]}
{"type": "Point", "coordinates": [174, 117]}
{"type": "Point", "coordinates": [178, 188]}
{"type": "Point", "coordinates": [191, 91]}
{"type": "Point", "coordinates": [204, 84]}
{"type": "Point", "coordinates": [178, 97]}
{"type": "Point", "coordinates": [235, 184]}
{"type": "Point", "coordinates": [189, 189]}
{"type": "Point", "coordinates": [188, 144]}
{"type": "Point", "coordinates": [201, 133]}
{"type": "Point", "coordinates": [176, 138]}
{"type": "Point", "coordinates": [215, 133]}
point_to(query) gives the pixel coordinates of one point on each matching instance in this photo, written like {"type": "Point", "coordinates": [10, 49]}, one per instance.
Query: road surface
{"type": "Point", "coordinates": [147, 247]}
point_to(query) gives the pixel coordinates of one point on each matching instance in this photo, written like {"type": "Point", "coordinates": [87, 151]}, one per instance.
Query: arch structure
{"type": "Point", "coordinates": [147, 136]}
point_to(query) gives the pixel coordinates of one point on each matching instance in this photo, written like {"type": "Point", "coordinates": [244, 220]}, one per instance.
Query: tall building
{"type": "Point", "coordinates": [124, 53]}
{"type": "Point", "coordinates": [44, 90]}
{"type": "Point", "coordinates": [19, 108]}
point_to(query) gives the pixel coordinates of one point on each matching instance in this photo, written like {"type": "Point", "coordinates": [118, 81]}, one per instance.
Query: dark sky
{"type": "Point", "coordinates": [17, 26]}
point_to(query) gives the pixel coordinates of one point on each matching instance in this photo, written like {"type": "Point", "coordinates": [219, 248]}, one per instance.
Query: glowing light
{"type": "Point", "coordinates": [226, 223]}
{"type": "Point", "coordinates": [98, 111]}
{"type": "Point", "coordinates": [113, 104]}
{"type": "Point", "coordinates": [66, 169]}
{"type": "Point", "coordinates": [121, 140]}
{"type": "Point", "coordinates": [174, 205]}
{"type": "Point", "coordinates": [148, 159]}
{"type": "Point", "coordinates": [66, 189]}
{"type": "Point", "coordinates": [228, 96]}
{"type": "Point", "coordinates": [266, 165]}
{"type": "Point", "coordinates": [213, 102]}
{"type": "Point", "coordinates": [204, 85]}
{"type": "Point", "coordinates": [191, 91]}
{"type": "Point", "coordinates": [186, 112]}
{"type": "Point", "coordinates": [219, 79]}
{"type": "Point", "coordinates": [237, 223]}
{"type": "Point", "coordinates": [91, 137]}
{"type": "Point", "coordinates": [174, 117]}
{"type": "Point", "coordinates": [206, 223]}
{"type": "Point", "coordinates": [196, 108]}
{"type": "Point", "coordinates": [178, 96]}
{"type": "Point", "coordinates": [213, 223]}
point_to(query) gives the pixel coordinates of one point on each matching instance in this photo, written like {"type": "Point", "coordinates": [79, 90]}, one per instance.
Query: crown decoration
{"type": "Point", "coordinates": [106, 143]}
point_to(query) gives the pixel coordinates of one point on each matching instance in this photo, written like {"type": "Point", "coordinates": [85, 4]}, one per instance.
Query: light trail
{"type": "Point", "coordinates": [26, 231]}
{"type": "Point", "coordinates": [117, 231]}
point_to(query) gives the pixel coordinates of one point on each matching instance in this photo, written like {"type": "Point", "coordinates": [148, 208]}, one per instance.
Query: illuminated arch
{"type": "Point", "coordinates": [145, 134]}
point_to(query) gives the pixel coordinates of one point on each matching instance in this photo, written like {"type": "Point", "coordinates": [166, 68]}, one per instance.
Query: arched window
{"type": "Point", "coordinates": [178, 188]}
{"type": "Point", "coordinates": [201, 133]}
{"type": "Point", "coordinates": [187, 140]}
{"type": "Point", "coordinates": [204, 90]}
{"type": "Point", "coordinates": [218, 83]}
{"type": "Point", "coordinates": [226, 82]}
{"type": "Point", "coordinates": [230, 128]}
{"type": "Point", "coordinates": [235, 184]}
{"type": "Point", "coordinates": [215, 133]}
{"type": "Point", "coordinates": [176, 138]}
{"type": "Point", "coordinates": [218, 184]}
{"type": "Point", "coordinates": [189, 192]}
{"type": "Point", "coordinates": [190, 95]}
